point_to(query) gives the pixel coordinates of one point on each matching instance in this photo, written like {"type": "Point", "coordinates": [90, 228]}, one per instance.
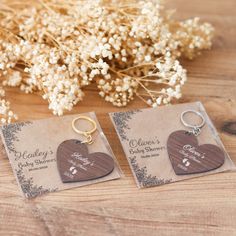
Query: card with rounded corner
{"type": "Point", "coordinates": [47, 155]}
{"type": "Point", "coordinates": [160, 149]}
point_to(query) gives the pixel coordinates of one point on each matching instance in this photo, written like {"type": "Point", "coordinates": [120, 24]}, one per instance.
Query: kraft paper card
{"type": "Point", "coordinates": [160, 148]}
{"type": "Point", "coordinates": [40, 166]}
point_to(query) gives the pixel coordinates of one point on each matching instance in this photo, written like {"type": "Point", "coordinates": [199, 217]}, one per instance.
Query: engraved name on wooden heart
{"type": "Point", "coordinates": [187, 157]}
{"type": "Point", "coordinates": [76, 164]}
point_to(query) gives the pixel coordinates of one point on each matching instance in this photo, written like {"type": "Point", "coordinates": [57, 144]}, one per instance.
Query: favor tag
{"type": "Point", "coordinates": [188, 157]}
{"type": "Point", "coordinates": [47, 155]}
{"type": "Point", "coordinates": [75, 163]}
{"type": "Point", "coordinates": [162, 147]}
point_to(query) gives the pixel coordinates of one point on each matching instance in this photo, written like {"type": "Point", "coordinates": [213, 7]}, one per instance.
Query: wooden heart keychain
{"type": "Point", "coordinates": [186, 155]}
{"type": "Point", "coordinates": [74, 161]}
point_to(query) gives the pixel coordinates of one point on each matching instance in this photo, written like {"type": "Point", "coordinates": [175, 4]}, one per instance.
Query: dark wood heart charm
{"type": "Point", "coordinates": [76, 164]}
{"type": "Point", "coordinates": [187, 157]}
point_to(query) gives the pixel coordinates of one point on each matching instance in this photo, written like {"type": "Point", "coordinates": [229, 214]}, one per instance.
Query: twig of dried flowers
{"type": "Point", "coordinates": [128, 48]}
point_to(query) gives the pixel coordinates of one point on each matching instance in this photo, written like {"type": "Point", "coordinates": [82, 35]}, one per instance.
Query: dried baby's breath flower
{"type": "Point", "coordinates": [6, 114]}
{"type": "Point", "coordinates": [128, 48]}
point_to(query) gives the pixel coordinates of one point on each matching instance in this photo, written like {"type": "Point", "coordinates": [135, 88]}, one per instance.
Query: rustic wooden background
{"type": "Point", "coordinates": [203, 206]}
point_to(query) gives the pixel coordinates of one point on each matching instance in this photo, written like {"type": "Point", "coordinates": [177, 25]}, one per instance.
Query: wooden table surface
{"type": "Point", "coordinates": [201, 206]}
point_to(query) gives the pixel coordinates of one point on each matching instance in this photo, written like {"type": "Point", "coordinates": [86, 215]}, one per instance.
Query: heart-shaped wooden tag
{"type": "Point", "coordinates": [187, 157]}
{"type": "Point", "coordinates": [76, 164]}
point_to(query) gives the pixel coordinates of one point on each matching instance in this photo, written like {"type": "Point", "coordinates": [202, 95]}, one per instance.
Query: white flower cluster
{"type": "Point", "coordinates": [6, 114]}
{"type": "Point", "coordinates": [128, 48]}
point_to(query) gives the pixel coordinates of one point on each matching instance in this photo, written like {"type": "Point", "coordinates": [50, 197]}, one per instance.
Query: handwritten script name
{"type": "Point", "coordinates": [190, 153]}
{"type": "Point", "coordinates": [84, 162]}
{"type": "Point", "coordinates": [133, 143]}
{"type": "Point", "coordinates": [25, 155]}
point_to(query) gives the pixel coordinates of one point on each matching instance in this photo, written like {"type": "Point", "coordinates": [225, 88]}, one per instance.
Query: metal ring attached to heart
{"type": "Point", "coordinates": [76, 164]}
{"type": "Point", "coordinates": [187, 157]}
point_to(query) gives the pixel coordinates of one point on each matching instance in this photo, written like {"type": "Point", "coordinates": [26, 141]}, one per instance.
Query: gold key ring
{"type": "Point", "coordinates": [88, 133]}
